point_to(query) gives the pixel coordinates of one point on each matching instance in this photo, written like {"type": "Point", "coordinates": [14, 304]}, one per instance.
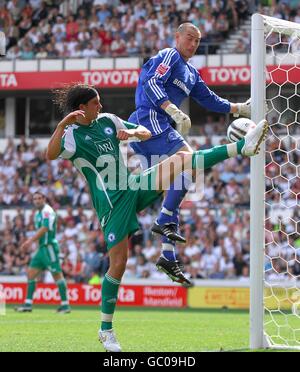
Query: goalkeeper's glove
{"type": "Point", "coordinates": [181, 119]}
{"type": "Point", "coordinates": [244, 109]}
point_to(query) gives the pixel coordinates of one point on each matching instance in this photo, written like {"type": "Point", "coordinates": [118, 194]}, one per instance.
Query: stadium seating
{"type": "Point", "coordinates": [217, 226]}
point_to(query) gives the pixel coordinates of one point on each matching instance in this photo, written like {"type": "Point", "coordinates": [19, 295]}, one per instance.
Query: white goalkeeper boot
{"type": "Point", "coordinates": [109, 341]}
{"type": "Point", "coordinates": [254, 138]}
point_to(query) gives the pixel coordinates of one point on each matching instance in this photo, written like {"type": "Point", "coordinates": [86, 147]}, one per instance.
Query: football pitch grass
{"type": "Point", "coordinates": [138, 330]}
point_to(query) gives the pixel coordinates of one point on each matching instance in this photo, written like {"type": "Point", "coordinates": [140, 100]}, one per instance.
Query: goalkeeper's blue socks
{"type": "Point", "coordinates": [177, 192]}
{"type": "Point", "coordinates": [170, 211]}
{"type": "Point", "coordinates": [168, 249]}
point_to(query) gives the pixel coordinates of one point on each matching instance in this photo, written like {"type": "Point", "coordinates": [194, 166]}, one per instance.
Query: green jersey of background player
{"type": "Point", "coordinates": [46, 256]}
{"type": "Point", "coordinates": [91, 142]}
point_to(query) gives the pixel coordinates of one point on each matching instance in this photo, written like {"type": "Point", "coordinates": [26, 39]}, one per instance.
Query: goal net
{"type": "Point", "coordinates": [275, 186]}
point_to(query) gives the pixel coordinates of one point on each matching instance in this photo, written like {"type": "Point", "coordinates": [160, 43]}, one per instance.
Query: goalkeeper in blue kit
{"type": "Point", "coordinates": [91, 142]}
{"type": "Point", "coordinates": [165, 81]}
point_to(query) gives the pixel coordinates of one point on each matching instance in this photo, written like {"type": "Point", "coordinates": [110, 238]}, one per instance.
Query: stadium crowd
{"type": "Point", "coordinates": [40, 29]}
{"type": "Point", "coordinates": [99, 28]}
{"type": "Point", "coordinates": [216, 224]}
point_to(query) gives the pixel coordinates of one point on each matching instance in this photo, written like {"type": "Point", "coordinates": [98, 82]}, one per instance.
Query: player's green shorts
{"type": "Point", "coordinates": [47, 258]}
{"type": "Point", "coordinates": [122, 219]}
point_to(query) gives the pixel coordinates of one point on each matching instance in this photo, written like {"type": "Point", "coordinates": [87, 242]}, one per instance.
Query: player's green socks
{"type": "Point", "coordinates": [208, 158]}
{"type": "Point", "coordinates": [63, 291]}
{"type": "Point", "coordinates": [110, 288]}
{"type": "Point", "coordinates": [30, 291]}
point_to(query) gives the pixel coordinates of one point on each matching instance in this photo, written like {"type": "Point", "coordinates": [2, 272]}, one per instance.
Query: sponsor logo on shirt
{"type": "Point", "coordinates": [105, 147]}
{"type": "Point", "coordinates": [162, 69]}
{"type": "Point", "coordinates": [192, 78]}
{"type": "Point", "coordinates": [182, 86]}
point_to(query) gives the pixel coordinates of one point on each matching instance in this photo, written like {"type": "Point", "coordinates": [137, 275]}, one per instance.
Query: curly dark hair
{"type": "Point", "coordinates": [69, 97]}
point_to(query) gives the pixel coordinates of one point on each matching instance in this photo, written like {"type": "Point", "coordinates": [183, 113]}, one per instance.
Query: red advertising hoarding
{"type": "Point", "coordinates": [241, 75]}
{"type": "Point", "coordinates": [213, 76]}
{"type": "Point", "coordinates": [83, 294]}
{"type": "Point", "coordinates": [55, 79]}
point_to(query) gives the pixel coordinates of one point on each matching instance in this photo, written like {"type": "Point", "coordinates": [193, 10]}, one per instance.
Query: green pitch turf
{"type": "Point", "coordinates": [137, 330]}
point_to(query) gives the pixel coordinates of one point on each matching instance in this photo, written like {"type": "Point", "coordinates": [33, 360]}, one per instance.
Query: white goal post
{"type": "Point", "coordinates": [275, 176]}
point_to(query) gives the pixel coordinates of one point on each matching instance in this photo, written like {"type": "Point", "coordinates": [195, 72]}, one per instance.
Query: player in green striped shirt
{"type": "Point", "coordinates": [91, 142]}
{"type": "Point", "coordinates": [47, 255]}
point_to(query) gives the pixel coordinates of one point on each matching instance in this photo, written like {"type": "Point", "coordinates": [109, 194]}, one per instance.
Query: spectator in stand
{"type": "Point", "coordinates": [95, 39]}
{"type": "Point", "coordinates": [107, 40]}
{"type": "Point", "coordinates": [150, 250]}
{"type": "Point", "coordinates": [118, 46]}
{"type": "Point", "coordinates": [72, 29]}
{"type": "Point", "coordinates": [132, 47]}
{"type": "Point", "coordinates": [12, 31]}
{"type": "Point", "coordinates": [89, 51]}
{"type": "Point", "coordinates": [79, 270]}
{"type": "Point", "coordinates": [14, 9]}
{"type": "Point", "coordinates": [25, 25]}
{"type": "Point", "coordinates": [240, 47]}
{"type": "Point", "coordinates": [92, 260]}
{"type": "Point", "coordinates": [42, 53]}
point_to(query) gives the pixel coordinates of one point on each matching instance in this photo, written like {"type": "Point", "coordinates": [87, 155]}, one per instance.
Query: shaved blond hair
{"type": "Point", "coordinates": [185, 26]}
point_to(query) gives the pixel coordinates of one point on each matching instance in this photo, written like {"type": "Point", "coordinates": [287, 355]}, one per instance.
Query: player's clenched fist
{"type": "Point", "coordinates": [141, 134]}
{"type": "Point", "coordinates": [181, 119]}
{"type": "Point", "coordinates": [72, 117]}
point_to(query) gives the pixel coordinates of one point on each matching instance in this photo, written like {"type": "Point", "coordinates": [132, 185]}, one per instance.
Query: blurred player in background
{"type": "Point", "coordinates": [165, 81]}
{"type": "Point", "coordinates": [91, 142]}
{"type": "Point", "coordinates": [47, 255]}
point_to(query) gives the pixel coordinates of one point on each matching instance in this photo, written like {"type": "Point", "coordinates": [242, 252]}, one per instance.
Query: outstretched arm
{"type": "Point", "coordinates": [208, 99]}
{"type": "Point", "coordinates": [142, 133]}
{"type": "Point", "coordinates": [211, 101]}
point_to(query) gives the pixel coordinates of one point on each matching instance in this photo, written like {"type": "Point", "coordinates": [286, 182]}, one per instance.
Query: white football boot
{"type": "Point", "coordinates": [254, 138]}
{"type": "Point", "coordinates": [109, 341]}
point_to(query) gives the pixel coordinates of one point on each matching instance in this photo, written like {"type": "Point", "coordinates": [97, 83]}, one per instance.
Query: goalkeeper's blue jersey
{"type": "Point", "coordinates": [167, 76]}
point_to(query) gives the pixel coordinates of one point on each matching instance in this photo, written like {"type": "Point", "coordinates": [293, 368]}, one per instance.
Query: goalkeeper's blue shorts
{"type": "Point", "coordinates": [158, 148]}
{"type": "Point", "coordinates": [165, 140]}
